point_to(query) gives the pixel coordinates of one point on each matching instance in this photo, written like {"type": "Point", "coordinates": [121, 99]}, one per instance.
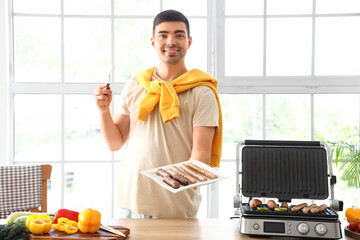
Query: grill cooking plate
{"type": "Point", "coordinates": [328, 213]}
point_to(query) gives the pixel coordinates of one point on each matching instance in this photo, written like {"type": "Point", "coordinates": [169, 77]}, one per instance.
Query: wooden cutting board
{"type": "Point", "coordinates": [101, 234]}
{"type": "Point", "coordinates": [352, 234]}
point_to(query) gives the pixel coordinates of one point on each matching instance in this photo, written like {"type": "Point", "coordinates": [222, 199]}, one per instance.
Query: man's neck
{"type": "Point", "coordinates": [170, 72]}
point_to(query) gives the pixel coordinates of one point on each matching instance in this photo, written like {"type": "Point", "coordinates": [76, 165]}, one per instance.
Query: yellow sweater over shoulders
{"type": "Point", "coordinates": [165, 93]}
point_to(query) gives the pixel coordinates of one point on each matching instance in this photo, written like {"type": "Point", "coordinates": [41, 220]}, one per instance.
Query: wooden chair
{"type": "Point", "coordinates": [13, 195]}
{"type": "Point", "coordinates": [46, 173]}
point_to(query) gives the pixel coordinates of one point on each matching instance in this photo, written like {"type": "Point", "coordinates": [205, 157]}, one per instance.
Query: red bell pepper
{"type": "Point", "coordinates": [66, 213]}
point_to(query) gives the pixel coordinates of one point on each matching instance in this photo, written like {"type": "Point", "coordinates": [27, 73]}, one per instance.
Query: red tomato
{"type": "Point", "coordinates": [353, 226]}
{"type": "Point", "coordinates": [358, 227]}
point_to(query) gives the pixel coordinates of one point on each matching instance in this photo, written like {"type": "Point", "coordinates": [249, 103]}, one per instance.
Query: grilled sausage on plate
{"type": "Point", "coordinates": [171, 182]}
{"type": "Point", "coordinates": [162, 173]}
{"type": "Point", "coordinates": [183, 174]}
{"type": "Point", "coordinates": [202, 171]}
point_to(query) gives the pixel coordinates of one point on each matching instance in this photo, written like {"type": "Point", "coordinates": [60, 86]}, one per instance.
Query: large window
{"type": "Point", "coordinates": [286, 70]}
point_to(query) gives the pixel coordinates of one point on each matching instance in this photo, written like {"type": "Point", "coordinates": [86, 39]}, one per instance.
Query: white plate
{"type": "Point", "coordinates": [152, 174]}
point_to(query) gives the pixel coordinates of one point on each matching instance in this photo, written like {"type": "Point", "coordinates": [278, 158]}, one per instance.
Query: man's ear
{"type": "Point", "coordinates": [189, 41]}
{"type": "Point", "coordinates": [153, 41]}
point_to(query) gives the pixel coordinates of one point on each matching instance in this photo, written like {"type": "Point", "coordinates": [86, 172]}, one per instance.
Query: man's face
{"type": "Point", "coordinates": [171, 42]}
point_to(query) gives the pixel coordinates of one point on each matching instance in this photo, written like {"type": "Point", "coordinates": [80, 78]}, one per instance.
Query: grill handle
{"type": "Point", "coordinates": [282, 143]}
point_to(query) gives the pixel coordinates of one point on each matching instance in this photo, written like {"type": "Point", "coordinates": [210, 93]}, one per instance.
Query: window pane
{"type": "Point", "coordinates": [289, 6]}
{"type": "Point", "coordinates": [83, 138]}
{"type": "Point", "coordinates": [196, 57]}
{"type": "Point", "coordinates": [244, 7]}
{"type": "Point", "coordinates": [242, 119]}
{"type": "Point", "coordinates": [227, 189]}
{"type": "Point", "coordinates": [288, 46]}
{"type": "Point", "coordinates": [337, 6]}
{"type": "Point", "coordinates": [133, 49]}
{"type": "Point", "coordinates": [87, 50]}
{"type": "Point", "coordinates": [37, 49]}
{"type": "Point", "coordinates": [89, 185]}
{"type": "Point", "coordinates": [37, 127]}
{"type": "Point", "coordinates": [244, 47]}
{"type": "Point", "coordinates": [350, 195]}
{"type": "Point", "coordinates": [99, 7]}
{"type": "Point", "coordinates": [54, 188]}
{"type": "Point", "coordinates": [136, 7]}
{"type": "Point", "coordinates": [337, 46]}
{"type": "Point", "coordinates": [198, 7]}
{"type": "Point", "coordinates": [333, 113]}
{"type": "Point", "coordinates": [36, 6]}
{"type": "Point", "coordinates": [288, 117]}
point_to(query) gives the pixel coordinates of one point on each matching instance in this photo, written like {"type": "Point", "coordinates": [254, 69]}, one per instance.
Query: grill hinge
{"type": "Point", "coordinates": [333, 180]}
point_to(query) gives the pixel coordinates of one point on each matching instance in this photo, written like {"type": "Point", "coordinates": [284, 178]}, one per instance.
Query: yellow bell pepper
{"type": "Point", "coordinates": [38, 224]}
{"type": "Point", "coordinates": [353, 214]}
{"type": "Point", "coordinates": [89, 220]}
{"type": "Point", "coordinates": [66, 225]}
{"type": "Point", "coordinates": [72, 227]}
{"type": "Point", "coordinates": [62, 223]}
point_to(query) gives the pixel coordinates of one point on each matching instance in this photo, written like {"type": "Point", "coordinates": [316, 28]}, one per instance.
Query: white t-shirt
{"type": "Point", "coordinates": [153, 144]}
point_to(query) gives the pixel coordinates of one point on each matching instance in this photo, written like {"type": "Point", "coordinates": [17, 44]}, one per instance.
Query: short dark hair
{"type": "Point", "coordinates": [171, 16]}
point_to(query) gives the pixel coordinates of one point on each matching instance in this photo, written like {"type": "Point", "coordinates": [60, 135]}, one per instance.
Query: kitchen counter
{"type": "Point", "coordinates": [186, 229]}
{"type": "Point", "coordinates": [176, 229]}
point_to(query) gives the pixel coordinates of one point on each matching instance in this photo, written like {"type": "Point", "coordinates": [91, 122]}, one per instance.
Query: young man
{"type": "Point", "coordinates": [168, 115]}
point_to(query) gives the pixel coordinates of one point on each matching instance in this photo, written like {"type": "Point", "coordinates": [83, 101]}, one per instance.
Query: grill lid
{"type": "Point", "coordinates": [284, 172]}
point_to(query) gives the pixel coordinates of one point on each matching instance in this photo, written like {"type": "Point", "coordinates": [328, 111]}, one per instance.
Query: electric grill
{"type": "Point", "coordinates": [286, 170]}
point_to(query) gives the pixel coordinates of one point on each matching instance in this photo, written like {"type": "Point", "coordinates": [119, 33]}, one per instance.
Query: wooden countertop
{"type": "Point", "coordinates": [179, 229]}
{"type": "Point", "coordinates": [187, 229]}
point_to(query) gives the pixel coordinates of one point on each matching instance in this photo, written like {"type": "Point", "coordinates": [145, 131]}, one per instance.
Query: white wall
{"type": "Point", "coordinates": [4, 96]}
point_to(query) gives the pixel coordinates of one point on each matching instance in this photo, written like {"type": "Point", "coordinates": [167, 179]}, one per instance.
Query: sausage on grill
{"type": "Point", "coordinates": [318, 209]}
{"type": "Point", "coordinates": [271, 204]}
{"type": "Point", "coordinates": [298, 207]}
{"type": "Point", "coordinates": [284, 204]}
{"type": "Point", "coordinates": [308, 208]}
{"type": "Point", "coordinates": [255, 203]}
